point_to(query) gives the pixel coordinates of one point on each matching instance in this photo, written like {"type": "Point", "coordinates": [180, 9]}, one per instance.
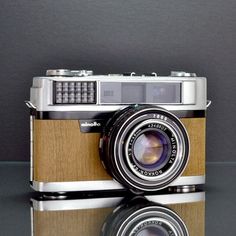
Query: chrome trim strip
{"type": "Point", "coordinates": [31, 147]}
{"type": "Point", "coordinates": [76, 186]}
{"type": "Point", "coordinates": [102, 184]}
{"type": "Point", "coordinates": [189, 180]}
{"type": "Point", "coordinates": [76, 204]}
{"type": "Point", "coordinates": [113, 108]}
{"type": "Point", "coordinates": [177, 198]}
{"type": "Point", "coordinates": [32, 221]}
{"type": "Point", "coordinates": [79, 204]}
{"type": "Point", "coordinates": [189, 92]}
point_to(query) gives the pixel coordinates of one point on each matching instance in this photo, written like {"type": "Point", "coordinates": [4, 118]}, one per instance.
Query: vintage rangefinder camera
{"type": "Point", "coordinates": [173, 214]}
{"type": "Point", "coordinates": [107, 132]}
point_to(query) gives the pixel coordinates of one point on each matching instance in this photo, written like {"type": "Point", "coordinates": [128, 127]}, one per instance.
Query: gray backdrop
{"type": "Point", "coordinates": [111, 36]}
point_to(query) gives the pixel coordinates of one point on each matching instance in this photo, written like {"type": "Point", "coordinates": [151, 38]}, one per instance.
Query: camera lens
{"type": "Point", "coordinates": [140, 217]}
{"type": "Point", "coordinates": [145, 148]}
{"type": "Point", "coordinates": [151, 149]}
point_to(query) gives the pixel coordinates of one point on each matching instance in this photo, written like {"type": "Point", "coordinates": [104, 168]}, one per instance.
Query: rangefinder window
{"type": "Point", "coordinates": [145, 93]}
{"type": "Point", "coordinates": [73, 92]}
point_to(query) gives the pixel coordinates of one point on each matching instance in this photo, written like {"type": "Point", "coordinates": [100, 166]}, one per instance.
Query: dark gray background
{"type": "Point", "coordinates": [117, 36]}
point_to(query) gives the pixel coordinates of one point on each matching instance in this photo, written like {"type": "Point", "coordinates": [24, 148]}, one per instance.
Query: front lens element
{"type": "Point", "coordinates": [153, 231]}
{"type": "Point", "coordinates": [151, 149]}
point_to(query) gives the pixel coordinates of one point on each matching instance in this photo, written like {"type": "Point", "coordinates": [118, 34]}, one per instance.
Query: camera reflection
{"type": "Point", "coordinates": [165, 214]}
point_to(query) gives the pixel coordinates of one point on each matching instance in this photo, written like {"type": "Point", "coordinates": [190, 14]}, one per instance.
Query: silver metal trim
{"type": "Point", "coordinates": [58, 72]}
{"type": "Point", "coordinates": [193, 95]}
{"type": "Point", "coordinates": [68, 73]}
{"type": "Point", "coordinates": [76, 186]}
{"type": "Point", "coordinates": [30, 105]}
{"type": "Point", "coordinates": [208, 103]}
{"type": "Point", "coordinates": [103, 184]}
{"type": "Point", "coordinates": [75, 204]}
{"type": "Point", "coordinates": [182, 74]}
{"type": "Point", "coordinates": [183, 189]}
{"type": "Point", "coordinates": [80, 204]}
{"type": "Point", "coordinates": [177, 198]}
{"type": "Point", "coordinates": [189, 180]}
{"type": "Point", "coordinates": [32, 221]}
{"type": "Point", "coordinates": [188, 94]}
{"type": "Point", "coordinates": [31, 148]}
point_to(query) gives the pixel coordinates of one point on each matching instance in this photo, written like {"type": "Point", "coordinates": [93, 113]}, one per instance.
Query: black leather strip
{"type": "Point", "coordinates": [77, 115]}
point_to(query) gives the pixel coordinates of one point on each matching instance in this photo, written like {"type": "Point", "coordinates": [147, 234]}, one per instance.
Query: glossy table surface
{"type": "Point", "coordinates": [15, 194]}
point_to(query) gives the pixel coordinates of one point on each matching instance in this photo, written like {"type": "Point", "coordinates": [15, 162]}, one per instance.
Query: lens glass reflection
{"type": "Point", "coordinates": [153, 231]}
{"type": "Point", "coordinates": [151, 149]}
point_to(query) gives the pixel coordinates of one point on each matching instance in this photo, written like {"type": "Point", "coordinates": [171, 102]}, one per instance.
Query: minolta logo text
{"type": "Point", "coordinates": [91, 124]}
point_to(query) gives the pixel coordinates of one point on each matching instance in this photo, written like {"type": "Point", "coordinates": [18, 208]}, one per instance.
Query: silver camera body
{"type": "Point", "coordinates": [151, 128]}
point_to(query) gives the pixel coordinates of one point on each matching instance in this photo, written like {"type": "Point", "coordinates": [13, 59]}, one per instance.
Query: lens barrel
{"type": "Point", "coordinates": [145, 148]}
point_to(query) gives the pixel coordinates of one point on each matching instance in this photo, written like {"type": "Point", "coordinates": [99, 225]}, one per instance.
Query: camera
{"type": "Point", "coordinates": [109, 132]}
{"type": "Point", "coordinates": [172, 214]}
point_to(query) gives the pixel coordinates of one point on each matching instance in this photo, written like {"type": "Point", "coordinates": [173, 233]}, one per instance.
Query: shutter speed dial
{"type": "Point", "coordinates": [69, 73]}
